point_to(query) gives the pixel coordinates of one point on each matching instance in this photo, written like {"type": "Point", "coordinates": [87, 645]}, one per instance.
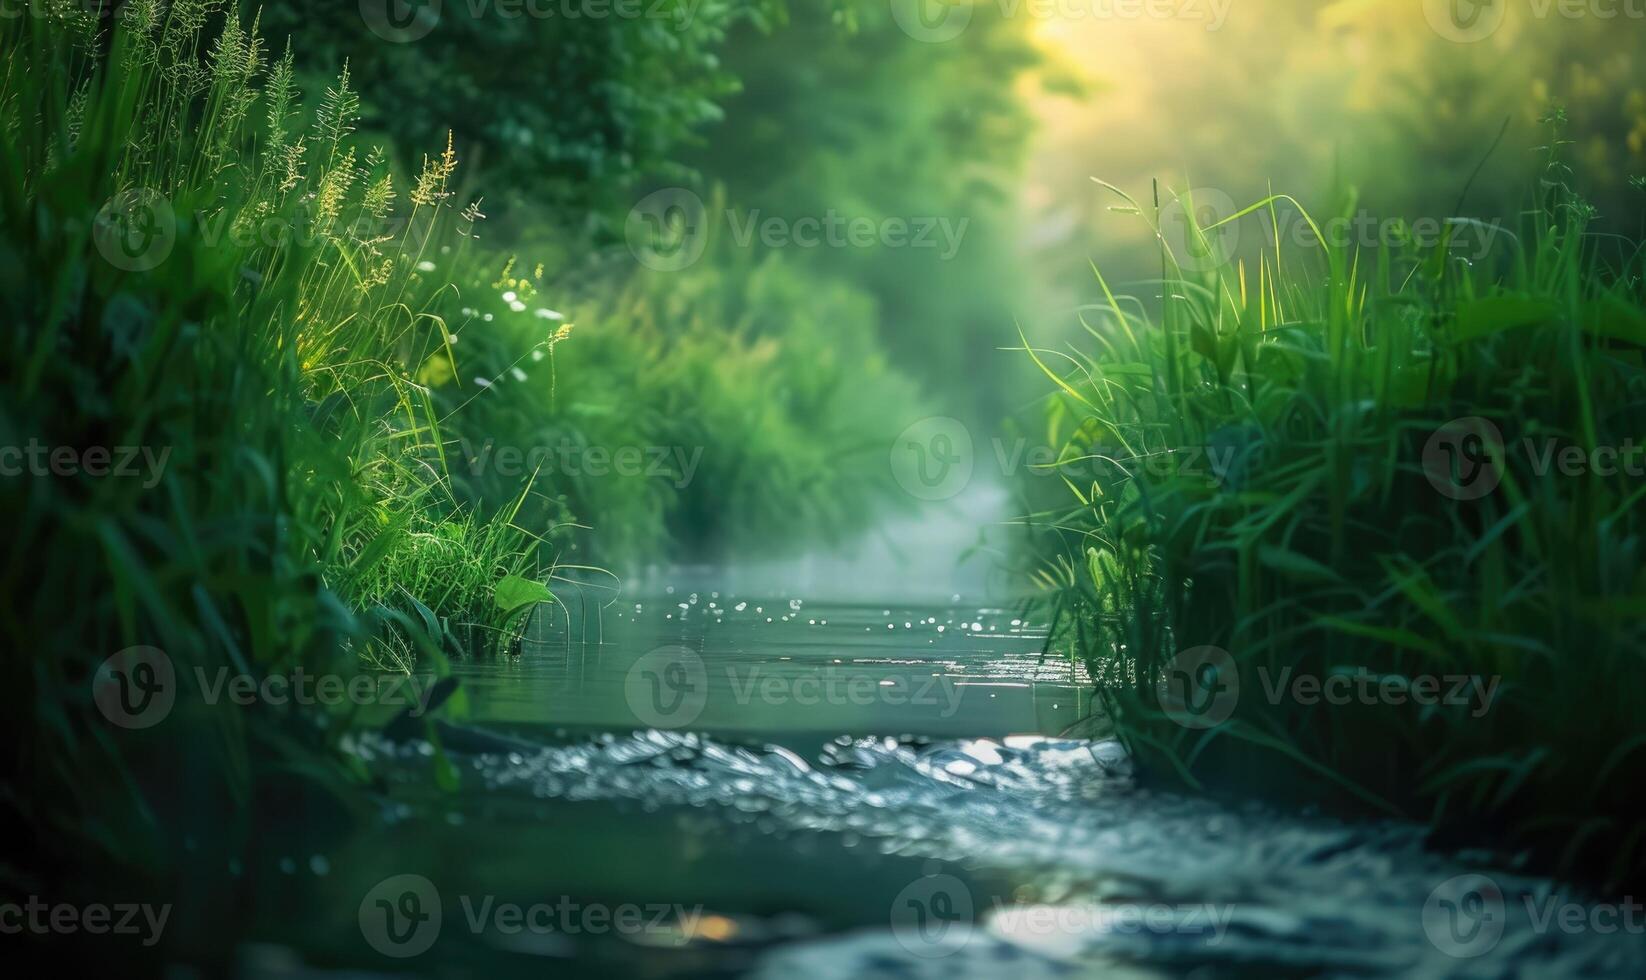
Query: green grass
{"type": "Point", "coordinates": [197, 261]}
{"type": "Point", "coordinates": [270, 368]}
{"type": "Point", "coordinates": [1320, 375]}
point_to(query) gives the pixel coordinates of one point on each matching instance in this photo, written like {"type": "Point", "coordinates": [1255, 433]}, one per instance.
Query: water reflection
{"type": "Point", "coordinates": [714, 661]}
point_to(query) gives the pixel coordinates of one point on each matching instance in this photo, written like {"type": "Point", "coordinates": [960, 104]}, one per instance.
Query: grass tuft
{"type": "Point", "coordinates": [1253, 457]}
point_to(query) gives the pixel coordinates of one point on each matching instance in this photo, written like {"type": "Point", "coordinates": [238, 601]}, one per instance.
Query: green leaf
{"type": "Point", "coordinates": [430, 622]}
{"type": "Point", "coordinates": [1613, 318]}
{"type": "Point", "coordinates": [516, 592]}
{"type": "Point", "coordinates": [1403, 639]}
{"type": "Point", "coordinates": [1418, 587]}
{"type": "Point", "coordinates": [1495, 314]}
{"type": "Point", "coordinates": [1294, 565]}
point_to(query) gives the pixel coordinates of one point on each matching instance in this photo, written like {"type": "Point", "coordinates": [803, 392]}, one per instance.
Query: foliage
{"type": "Point", "coordinates": [692, 413]}
{"type": "Point", "coordinates": [203, 265]}
{"type": "Point", "coordinates": [841, 112]}
{"type": "Point", "coordinates": [572, 119]}
{"type": "Point", "coordinates": [1324, 545]}
{"type": "Point", "coordinates": [562, 109]}
{"type": "Point", "coordinates": [201, 268]}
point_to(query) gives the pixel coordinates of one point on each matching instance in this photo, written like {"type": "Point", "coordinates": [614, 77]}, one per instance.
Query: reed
{"type": "Point", "coordinates": [203, 268]}
{"type": "Point", "coordinates": [1253, 446]}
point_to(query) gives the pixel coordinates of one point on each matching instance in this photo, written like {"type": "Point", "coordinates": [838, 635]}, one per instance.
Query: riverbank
{"type": "Point", "coordinates": [1304, 557]}
{"type": "Point", "coordinates": [293, 417]}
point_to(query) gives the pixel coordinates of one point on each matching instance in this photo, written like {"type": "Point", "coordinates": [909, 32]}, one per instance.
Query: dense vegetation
{"type": "Point", "coordinates": [363, 437]}
{"type": "Point", "coordinates": [563, 113]}
{"type": "Point", "coordinates": [573, 120]}
{"type": "Point", "coordinates": [1259, 464]}
{"type": "Point", "coordinates": [949, 147]}
{"type": "Point", "coordinates": [345, 365]}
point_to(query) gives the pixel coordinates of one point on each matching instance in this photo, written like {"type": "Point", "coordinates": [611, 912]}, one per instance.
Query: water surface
{"type": "Point", "coordinates": [757, 772]}
{"type": "Point", "coordinates": [780, 830]}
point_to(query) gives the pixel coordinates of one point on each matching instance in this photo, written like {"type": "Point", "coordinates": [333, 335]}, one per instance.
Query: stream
{"type": "Point", "coordinates": [748, 773]}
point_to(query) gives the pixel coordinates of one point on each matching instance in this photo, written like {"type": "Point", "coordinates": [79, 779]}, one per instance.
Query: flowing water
{"type": "Point", "coordinates": [747, 773]}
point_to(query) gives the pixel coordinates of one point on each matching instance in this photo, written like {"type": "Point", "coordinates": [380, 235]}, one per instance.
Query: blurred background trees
{"type": "Point", "coordinates": [1307, 98]}
{"type": "Point", "coordinates": [802, 110]}
{"type": "Point", "coordinates": [559, 113]}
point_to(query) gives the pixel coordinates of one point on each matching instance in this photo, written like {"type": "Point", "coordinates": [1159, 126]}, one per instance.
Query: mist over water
{"type": "Point", "coordinates": [926, 552]}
